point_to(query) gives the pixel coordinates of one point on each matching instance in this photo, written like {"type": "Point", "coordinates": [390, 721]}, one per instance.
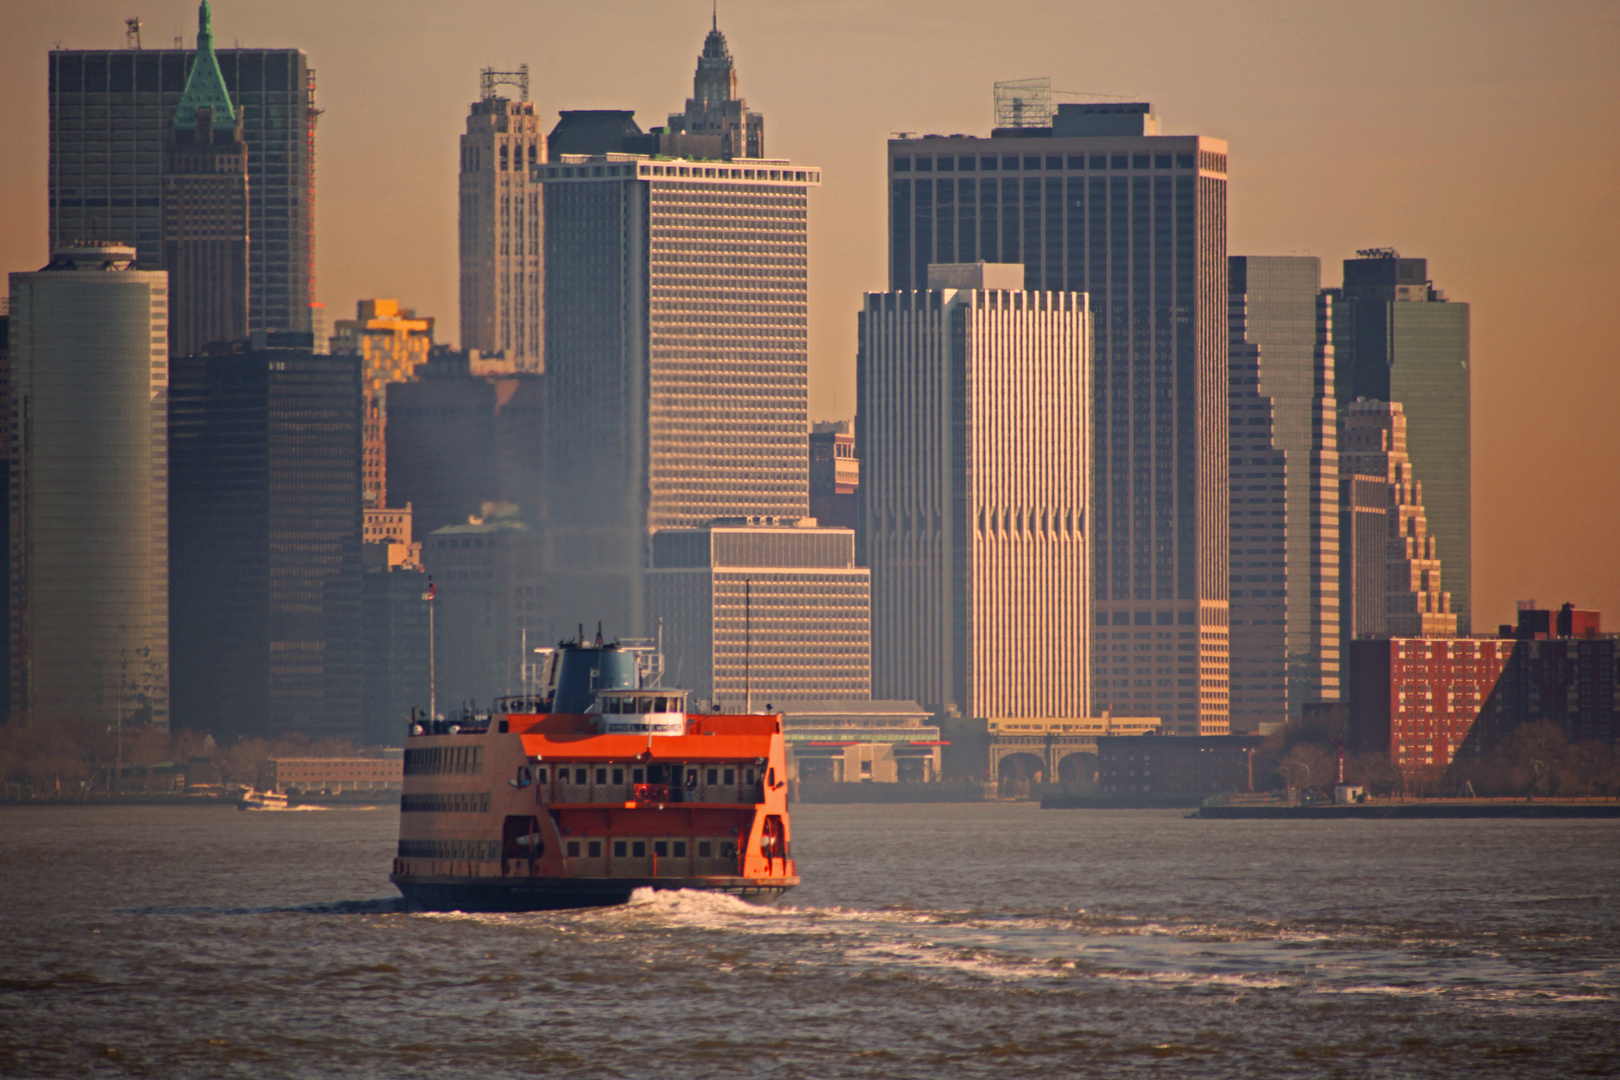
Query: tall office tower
{"type": "Point", "coordinates": [5, 511]}
{"type": "Point", "coordinates": [973, 414]}
{"type": "Point", "coordinates": [1091, 199]}
{"type": "Point", "coordinates": [1261, 572]}
{"type": "Point", "coordinates": [835, 474]}
{"type": "Point", "coordinates": [1397, 338]}
{"type": "Point", "coordinates": [459, 438]}
{"type": "Point", "coordinates": [715, 110]}
{"type": "Point", "coordinates": [112, 111]}
{"type": "Point", "coordinates": [487, 601]}
{"type": "Point", "coordinates": [1279, 324]}
{"type": "Point", "coordinates": [89, 537]}
{"type": "Point", "coordinates": [501, 225]}
{"type": "Point", "coordinates": [771, 613]}
{"type": "Point", "coordinates": [676, 363]}
{"type": "Point", "coordinates": [205, 209]}
{"type": "Point", "coordinates": [391, 343]}
{"type": "Point", "coordinates": [394, 617]}
{"type": "Point", "coordinates": [266, 540]}
{"type": "Point", "coordinates": [1372, 453]}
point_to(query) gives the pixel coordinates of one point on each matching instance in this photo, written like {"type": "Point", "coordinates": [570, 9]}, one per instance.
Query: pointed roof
{"type": "Point", "coordinates": [205, 86]}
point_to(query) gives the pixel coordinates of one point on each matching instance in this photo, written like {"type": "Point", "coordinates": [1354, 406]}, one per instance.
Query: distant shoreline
{"type": "Point", "coordinates": [198, 801]}
{"type": "Point", "coordinates": [1427, 809]}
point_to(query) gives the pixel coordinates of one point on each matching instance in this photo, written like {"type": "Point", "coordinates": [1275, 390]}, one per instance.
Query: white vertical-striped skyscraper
{"type": "Point", "coordinates": [974, 405]}
{"type": "Point", "coordinates": [89, 386]}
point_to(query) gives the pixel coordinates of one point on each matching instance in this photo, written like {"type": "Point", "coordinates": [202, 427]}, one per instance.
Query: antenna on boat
{"type": "Point", "coordinates": [748, 645]}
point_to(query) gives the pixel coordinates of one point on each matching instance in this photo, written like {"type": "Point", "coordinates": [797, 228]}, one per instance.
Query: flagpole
{"type": "Point", "coordinates": [433, 674]}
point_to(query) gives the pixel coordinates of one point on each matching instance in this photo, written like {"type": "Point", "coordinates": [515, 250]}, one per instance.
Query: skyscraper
{"type": "Point", "coordinates": [715, 110]}
{"type": "Point", "coordinates": [205, 209]}
{"type": "Point", "coordinates": [488, 604]}
{"type": "Point", "coordinates": [1397, 338]}
{"type": "Point", "coordinates": [502, 273]}
{"type": "Point", "coordinates": [111, 113]}
{"type": "Point", "coordinates": [676, 363]}
{"type": "Point", "coordinates": [1090, 198]}
{"type": "Point", "coordinates": [974, 422]}
{"type": "Point", "coordinates": [1285, 487]}
{"type": "Point", "coordinates": [835, 474]}
{"type": "Point", "coordinates": [89, 395]}
{"type": "Point", "coordinates": [266, 537]}
{"type": "Point", "coordinates": [1374, 458]}
{"type": "Point", "coordinates": [391, 343]}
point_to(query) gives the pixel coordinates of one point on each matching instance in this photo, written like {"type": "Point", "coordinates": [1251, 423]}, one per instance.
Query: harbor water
{"type": "Point", "coordinates": [990, 940]}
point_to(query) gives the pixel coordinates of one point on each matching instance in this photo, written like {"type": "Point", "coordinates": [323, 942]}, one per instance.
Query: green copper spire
{"type": "Point", "coordinates": [205, 87]}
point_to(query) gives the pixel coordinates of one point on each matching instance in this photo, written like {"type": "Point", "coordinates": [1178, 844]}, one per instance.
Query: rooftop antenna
{"type": "Point", "coordinates": [489, 79]}
{"type": "Point", "coordinates": [714, 23]}
{"type": "Point", "coordinates": [132, 32]}
{"type": "Point", "coordinates": [1024, 103]}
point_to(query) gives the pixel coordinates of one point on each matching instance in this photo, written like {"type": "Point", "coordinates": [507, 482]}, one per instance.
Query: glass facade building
{"type": "Point", "coordinates": [267, 528]}
{"type": "Point", "coordinates": [1285, 490]}
{"type": "Point", "coordinates": [111, 114]}
{"type": "Point", "coordinates": [1099, 203]}
{"type": "Point", "coordinates": [1397, 338]}
{"type": "Point", "coordinates": [89, 513]}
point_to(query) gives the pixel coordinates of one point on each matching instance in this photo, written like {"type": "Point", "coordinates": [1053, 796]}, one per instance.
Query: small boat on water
{"type": "Point", "coordinates": [599, 786]}
{"type": "Point", "coordinates": [251, 799]}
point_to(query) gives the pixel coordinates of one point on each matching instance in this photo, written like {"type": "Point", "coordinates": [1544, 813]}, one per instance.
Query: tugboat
{"type": "Point", "coordinates": [597, 787]}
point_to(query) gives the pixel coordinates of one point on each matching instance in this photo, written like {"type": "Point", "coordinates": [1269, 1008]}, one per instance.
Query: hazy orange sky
{"type": "Point", "coordinates": [1484, 136]}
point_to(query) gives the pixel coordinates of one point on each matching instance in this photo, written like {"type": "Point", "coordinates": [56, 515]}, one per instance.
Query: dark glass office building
{"type": "Point", "coordinates": [110, 114]}
{"type": "Point", "coordinates": [1285, 487]}
{"type": "Point", "coordinates": [265, 541]}
{"type": "Point", "coordinates": [1098, 202]}
{"type": "Point", "coordinates": [1397, 338]}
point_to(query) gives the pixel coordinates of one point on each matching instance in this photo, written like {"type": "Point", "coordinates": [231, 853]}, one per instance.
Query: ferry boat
{"type": "Point", "coordinates": [598, 787]}
{"type": "Point", "coordinates": [251, 799]}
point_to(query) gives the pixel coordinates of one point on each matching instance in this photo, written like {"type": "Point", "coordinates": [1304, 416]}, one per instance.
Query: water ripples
{"type": "Point", "coordinates": [228, 949]}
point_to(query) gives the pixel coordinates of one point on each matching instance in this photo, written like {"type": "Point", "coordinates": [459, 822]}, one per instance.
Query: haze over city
{"type": "Point", "coordinates": [1482, 137]}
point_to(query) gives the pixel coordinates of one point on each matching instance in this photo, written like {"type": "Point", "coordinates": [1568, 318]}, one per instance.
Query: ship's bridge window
{"type": "Point", "coordinates": [610, 706]}
{"type": "Point", "coordinates": [644, 705]}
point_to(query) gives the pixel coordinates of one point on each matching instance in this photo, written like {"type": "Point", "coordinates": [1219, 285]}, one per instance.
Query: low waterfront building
{"type": "Point", "coordinates": [333, 776]}
{"type": "Point", "coordinates": [1169, 765]}
{"type": "Point", "coordinates": [845, 741]}
{"type": "Point", "coordinates": [1428, 703]}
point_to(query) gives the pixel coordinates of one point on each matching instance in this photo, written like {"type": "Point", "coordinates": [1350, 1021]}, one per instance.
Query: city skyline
{"type": "Point", "coordinates": [1352, 160]}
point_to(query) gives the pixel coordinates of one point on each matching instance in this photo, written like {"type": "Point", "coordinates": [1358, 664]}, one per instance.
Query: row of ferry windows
{"type": "Point", "coordinates": [637, 849]}
{"type": "Point", "coordinates": [573, 774]}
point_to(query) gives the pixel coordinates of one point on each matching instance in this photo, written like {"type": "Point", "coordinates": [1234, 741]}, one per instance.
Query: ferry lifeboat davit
{"type": "Point", "coordinates": [597, 788]}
